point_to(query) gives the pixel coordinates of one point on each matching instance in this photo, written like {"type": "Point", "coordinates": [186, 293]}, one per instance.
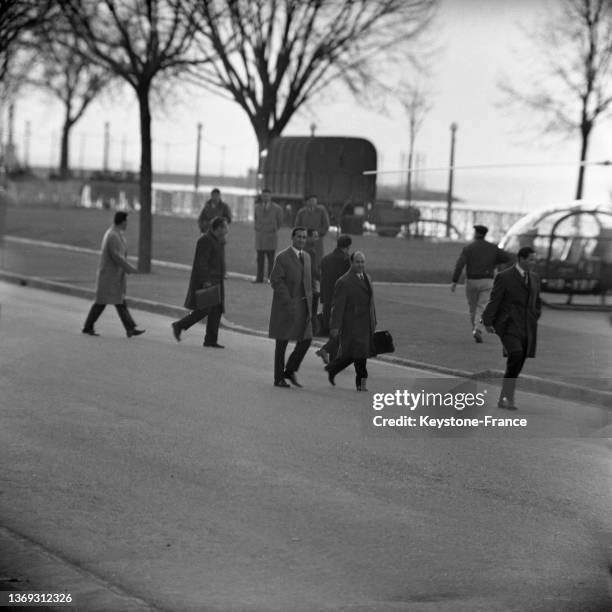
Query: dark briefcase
{"type": "Point", "coordinates": [206, 298]}
{"type": "Point", "coordinates": [383, 342]}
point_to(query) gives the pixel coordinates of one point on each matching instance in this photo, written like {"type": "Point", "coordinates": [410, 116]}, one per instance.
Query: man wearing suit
{"type": "Point", "coordinates": [512, 313]}
{"type": "Point", "coordinates": [353, 320]}
{"type": "Point", "coordinates": [214, 207]}
{"type": "Point", "coordinates": [208, 269]}
{"type": "Point", "coordinates": [480, 259]}
{"type": "Point", "coordinates": [111, 278]}
{"type": "Point", "coordinates": [268, 220]}
{"type": "Point", "coordinates": [333, 266]}
{"type": "Point", "coordinates": [291, 313]}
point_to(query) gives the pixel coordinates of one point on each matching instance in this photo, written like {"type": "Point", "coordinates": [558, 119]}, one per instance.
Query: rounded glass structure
{"type": "Point", "coordinates": [573, 244]}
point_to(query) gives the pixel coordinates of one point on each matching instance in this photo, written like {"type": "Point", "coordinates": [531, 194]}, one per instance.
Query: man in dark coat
{"type": "Point", "coordinates": [480, 259]}
{"type": "Point", "coordinates": [291, 313]}
{"type": "Point", "coordinates": [215, 207]}
{"type": "Point", "coordinates": [314, 216]}
{"type": "Point", "coordinates": [208, 270]}
{"type": "Point", "coordinates": [512, 313]}
{"type": "Point", "coordinates": [353, 320]}
{"type": "Point", "coordinates": [111, 278]}
{"type": "Point", "coordinates": [333, 266]}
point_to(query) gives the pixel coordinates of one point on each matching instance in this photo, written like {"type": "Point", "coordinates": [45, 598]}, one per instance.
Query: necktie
{"type": "Point", "coordinates": [301, 258]}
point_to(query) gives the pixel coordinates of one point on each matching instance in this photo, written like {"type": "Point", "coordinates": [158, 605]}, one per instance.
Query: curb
{"type": "Point", "coordinates": [532, 384]}
{"type": "Point", "coordinates": [35, 569]}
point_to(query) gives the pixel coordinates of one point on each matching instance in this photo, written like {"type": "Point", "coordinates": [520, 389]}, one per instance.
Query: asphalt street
{"type": "Point", "coordinates": [180, 476]}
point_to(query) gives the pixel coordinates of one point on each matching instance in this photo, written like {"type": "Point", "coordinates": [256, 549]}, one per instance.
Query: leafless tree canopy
{"type": "Point", "coordinates": [570, 85]}
{"type": "Point", "coordinates": [271, 56]}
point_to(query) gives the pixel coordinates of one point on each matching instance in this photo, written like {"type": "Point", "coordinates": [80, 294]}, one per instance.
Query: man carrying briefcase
{"type": "Point", "coordinates": [208, 271]}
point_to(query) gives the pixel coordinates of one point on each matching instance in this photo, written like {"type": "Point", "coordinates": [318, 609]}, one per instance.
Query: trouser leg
{"type": "Point", "coordinates": [471, 294]}
{"type": "Point", "coordinates": [260, 266]}
{"type": "Point", "coordinates": [191, 319]}
{"type": "Point", "coordinates": [125, 316]}
{"type": "Point", "coordinates": [94, 313]}
{"type": "Point", "coordinates": [484, 292]}
{"type": "Point", "coordinates": [516, 350]}
{"type": "Point", "coordinates": [279, 359]}
{"type": "Point", "coordinates": [270, 256]}
{"type": "Point", "coordinates": [331, 346]}
{"type": "Point", "coordinates": [337, 365]}
{"type": "Point", "coordinates": [212, 324]}
{"type": "Point", "coordinates": [297, 355]}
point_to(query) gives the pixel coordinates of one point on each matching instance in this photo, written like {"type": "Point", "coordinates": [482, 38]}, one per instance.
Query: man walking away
{"type": "Point", "coordinates": [480, 259]}
{"type": "Point", "coordinates": [268, 220]}
{"type": "Point", "coordinates": [512, 313]}
{"type": "Point", "coordinates": [208, 270]}
{"type": "Point", "coordinates": [353, 320]}
{"type": "Point", "coordinates": [291, 313]}
{"type": "Point", "coordinates": [111, 278]}
{"type": "Point", "coordinates": [333, 266]}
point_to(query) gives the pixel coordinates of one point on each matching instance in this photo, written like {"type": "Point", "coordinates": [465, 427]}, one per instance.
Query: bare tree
{"type": "Point", "coordinates": [272, 56]}
{"type": "Point", "coordinates": [68, 76]}
{"type": "Point", "coordinates": [416, 104]}
{"type": "Point", "coordinates": [571, 87]}
{"type": "Point", "coordinates": [142, 42]}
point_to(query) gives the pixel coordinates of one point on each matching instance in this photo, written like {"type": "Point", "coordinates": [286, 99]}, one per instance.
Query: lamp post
{"type": "Point", "coordinates": [449, 200]}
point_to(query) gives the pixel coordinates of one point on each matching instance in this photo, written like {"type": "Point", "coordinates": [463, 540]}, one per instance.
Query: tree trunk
{"type": "Point", "coordinates": [146, 174]}
{"type": "Point", "coordinates": [585, 132]}
{"type": "Point", "coordinates": [64, 167]}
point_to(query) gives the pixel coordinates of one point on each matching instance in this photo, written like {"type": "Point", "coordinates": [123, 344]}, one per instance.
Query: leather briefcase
{"type": "Point", "coordinates": [383, 342]}
{"type": "Point", "coordinates": [206, 298]}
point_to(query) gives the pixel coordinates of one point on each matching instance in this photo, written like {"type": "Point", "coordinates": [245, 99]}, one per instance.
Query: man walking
{"type": "Point", "coordinates": [353, 321]}
{"type": "Point", "coordinates": [214, 207]}
{"type": "Point", "coordinates": [291, 313]}
{"type": "Point", "coordinates": [314, 216]}
{"type": "Point", "coordinates": [268, 220]}
{"type": "Point", "coordinates": [333, 266]}
{"type": "Point", "coordinates": [208, 270]}
{"type": "Point", "coordinates": [111, 278]}
{"type": "Point", "coordinates": [480, 259]}
{"type": "Point", "coordinates": [512, 313]}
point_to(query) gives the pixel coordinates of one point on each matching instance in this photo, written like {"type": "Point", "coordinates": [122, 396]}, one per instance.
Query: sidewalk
{"type": "Point", "coordinates": [429, 324]}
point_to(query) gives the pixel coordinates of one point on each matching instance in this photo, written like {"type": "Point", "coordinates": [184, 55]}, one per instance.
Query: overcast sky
{"type": "Point", "coordinates": [479, 40]}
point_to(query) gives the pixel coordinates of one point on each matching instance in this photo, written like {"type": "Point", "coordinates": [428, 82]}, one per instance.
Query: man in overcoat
{"type": "Point", "coordinates": [333, 266]}
{"type": "Point", "coordinates": [314, 216]}
{"type": "Point", "coordinates": [353, 320]}
{"type": "Point", "coordinates": [111, 278]}
{"type": "Point", "coordinates": [268, 220]}
{"type": "Point", "coordinates": [208, 270]}
{"type": "Point", "coordinates": [512, 313]}
{"type": "Point", "coordinates": [291, 313]}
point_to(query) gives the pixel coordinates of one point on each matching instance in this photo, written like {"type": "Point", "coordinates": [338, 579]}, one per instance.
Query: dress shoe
{"type": "Point", "coordinates": [176, 331]}
{"type": "Point", "coordinates": [282, 383]}
{"type": "Point", "coordinates": [477, 336]}
{"type": "Point", "coordinates": [90, 332]}
{"type": "Point", "coordinates": [505, 404]}
{"type": "Point", "coordinates": [213, 345]}
{"type": "Point", "coordinates": [330, 376]}
{"type": "Point", "coordinates": [257, 282]}
{"type": "Point", "coordinates": [292, 378]}
{"type": "Point", "coordinates": [324, 355]}
{"type": "Point", "coordinates": [134, 332]}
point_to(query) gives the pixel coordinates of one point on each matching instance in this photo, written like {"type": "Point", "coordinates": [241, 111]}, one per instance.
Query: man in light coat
{"type": "Point", "coordinates": [512, 313]}
{"type": "Point", "coordinates": [111, 278]}
{"type": "Point", "coordinates": [353, 320]}
{"type": "Point", "coordinates": [291, 313]}
{"type": "Point", "coordinates": [268, 220]}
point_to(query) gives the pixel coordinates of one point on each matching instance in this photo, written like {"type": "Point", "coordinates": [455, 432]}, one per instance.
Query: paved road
{"type": "Point", "coordinates": [182, 477]}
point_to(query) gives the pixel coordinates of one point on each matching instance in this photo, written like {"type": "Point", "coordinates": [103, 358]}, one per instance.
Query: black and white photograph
{"type": "Point", "coordinates": [306, 305]}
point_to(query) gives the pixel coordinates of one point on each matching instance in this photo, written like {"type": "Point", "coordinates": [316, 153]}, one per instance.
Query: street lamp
{"type": "Point", "coordinates": [449, 200]}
